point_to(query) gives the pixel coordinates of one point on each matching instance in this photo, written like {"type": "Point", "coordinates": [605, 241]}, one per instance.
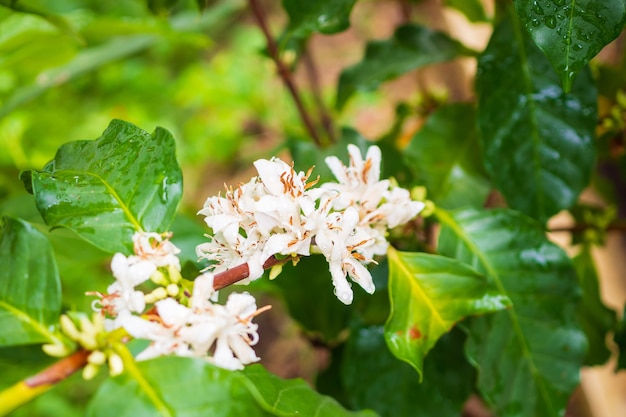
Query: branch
{"type": "Point", "coordinates": [314, 81]}
{"type": "Point", "coordinates": [239, 272]}
{"type": "Point", "coordinates": [283, 71]}
{"type": "Point", "coordinates": [26, 390]}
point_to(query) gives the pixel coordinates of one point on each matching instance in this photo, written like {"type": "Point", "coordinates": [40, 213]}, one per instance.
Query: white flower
{"type": "Point", "coordinates": [340, 242]}
{"type": "Point", "coordinates": [359, 183]}
{"type": "Point", "coordinates": [195, 330]}
{"type": "Point", "coordinates": [279, 213]}
{"type": "Point", "coordinates": [156, 248]}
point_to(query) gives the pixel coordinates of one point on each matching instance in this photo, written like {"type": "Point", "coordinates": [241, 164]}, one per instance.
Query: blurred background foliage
{"type": "Point", "coordinates": [199, 68]}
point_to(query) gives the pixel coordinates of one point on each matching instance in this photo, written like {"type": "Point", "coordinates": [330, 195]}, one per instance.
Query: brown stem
{"type": "Point", "coordinates": [239, 272]}
{"type": "Point", "coordinates": [283, 71]}
{"type": "Point", "coordinates": [59, 370]}
{"type": "Point", "coordinates": [314, 81]}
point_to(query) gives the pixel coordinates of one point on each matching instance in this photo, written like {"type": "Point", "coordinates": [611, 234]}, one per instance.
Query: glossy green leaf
{"type": "Point", "coordinates": [374, 378]}
{"type": "Point", "coordinates": [327, 317]}
{"type": "Point", "coordinates": [175, 386]}
{"type": "Point", "coordinates": [472, 9]}
{"type": "Point", "coordinates": [596, 319]}
{"type": "Point", "coordinates": [429, 294]}
{"type": "Point", "coordinates": [528, 357]}
{"type": "Point", "coordinates": [537, 141]}
{"type": "Point", "coordinates": [324, 16]}
{"type": "Point", "coordinates": [292, 397]}
{"type": "Point", "coordinates": [30, 289]}
{"type": "Point", "coordinates": [125, 181]}
{"type": "Point", "coordinates": [445, 157]}
{"type": "Point", "coordinates": [410, 47]}
{"type": "Point", "coordinates": [571, 32]}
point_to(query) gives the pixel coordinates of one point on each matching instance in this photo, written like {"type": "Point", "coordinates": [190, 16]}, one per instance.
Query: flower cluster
{"type": "Point", "coordinates": [280, 213]}
{"type": "Point", "coordinates": [178, 316]}
{"type": "Point", "coordinates": [277, 213]}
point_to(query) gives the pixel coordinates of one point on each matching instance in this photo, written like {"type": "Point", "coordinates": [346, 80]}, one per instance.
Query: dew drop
{"type": "Point", "coordinates": [163, 194]}
{"type": "Point", "coordinates": [550, 22]}
{"type": "Point", "coordinates": [535, 22]}
{"type": "Point", "coordinates": [577, 47]}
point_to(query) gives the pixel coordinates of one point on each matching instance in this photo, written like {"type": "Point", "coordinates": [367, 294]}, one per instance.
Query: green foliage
{"type": "Point", "coordinates": [326, 318]}
{"type": "Point", "coordinates": [185, 387]}
{"type": "Point", "coordinates": [473, 10]}
{"type": "Point", "coordinates": [594, 317]}
{"type": "Point", "coordinates": [30, 290]}
{"type": "Point", "coordinates": [93, 188]}
{"type": "Point", "coordinates": [411, 47]}
{"type": "Point", "coordinates": [393, 389]}
{"type": "Point", "coordinates": [429, 294]}
{"type": "Point", "coordinates": [445, 157]}
{"type": "Point", "coordinates": [528, 129]}
{"type": "Point", "coordinates": [537, 343]}
{"type": "Point", "coordinates": [537, 140]}
{"type": "Point", "coordinates": [324, 16]}
{"type": "Point", "coordinates": [570, 32]}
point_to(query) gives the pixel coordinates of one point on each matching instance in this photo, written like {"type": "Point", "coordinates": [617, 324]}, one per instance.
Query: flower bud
{"type": "Point", "coordinates": [90, 371]}
{"type": "Point", "coordinates": [275, 271]}
{"type": "Point", "coordinates": [68, 327]}
{"type": "Point", "coordinates": [97, 357]}
{"type": "Point", "coordinates": [116, 365]}
{"type": "Point", "coordinates": [159, 278]}
{"type": "Point", "coordinates": [57, 350]}
{"type": "Point", "coordinates": [156, 295]}
{"type": "Point", "coordinates": [172, 290]}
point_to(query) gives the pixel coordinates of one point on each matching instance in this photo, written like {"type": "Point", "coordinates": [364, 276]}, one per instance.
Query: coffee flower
{"type": "Point", "coordinates": [280, 213]}
{"type": "Point", "coordinates": [200, 328]}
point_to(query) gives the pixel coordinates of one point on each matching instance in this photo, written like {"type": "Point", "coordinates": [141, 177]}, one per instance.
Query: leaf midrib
{"type": "Point", "coordinates": [444, 217]}
{"type": "Point", "coordinates": [532, 111]}
{"type": "Point", "coordinates": [415, 284]}
{"type": "Point", "coordinates": [127, 212]}
{"type": "Point", "coordinates": [31, 321]}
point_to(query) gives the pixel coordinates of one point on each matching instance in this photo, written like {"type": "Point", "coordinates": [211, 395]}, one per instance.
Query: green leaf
{"type": "Point", "coordinates": [326, 317]}
{"type": "Point", "coordinates": [529, 356]}
{"type": "Point", "coordinates": [571, 32]}
{"type": "Point", "coordinates": [175, 386]}
{"type": "Point", "coordinates": [472, 9]}
{"type": "Point", "coordinates": [125, 181]}
{"type": "Point", "coordinates": [595, 318]}
{"type": "Point", "coordinates": [374, 378]}
{"type": "Point", "coordinates": [30, 289]}
{"type": "Point", "coordinates": [411, 46]}
{"type": "Point", "coordinates": [292, 397]}
{"type": "Point", "coordinates": [324, 16]}
{"type": "Point", "coordinates": [537, 141]}
{"type": "Point", "coordinates": [429, 294]}
{"type": "Point", "coordinates": [445, 157]}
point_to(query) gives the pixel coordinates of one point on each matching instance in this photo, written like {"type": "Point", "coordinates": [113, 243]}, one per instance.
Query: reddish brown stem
{"type": "Point", "coordinates": [283, 71]}
{"type": "Point", "coordinates": [239, 272]}
{"type": "Point", "coordinates": [316, 88]}
{"type": "Point", "coordinates": [60, 370]}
